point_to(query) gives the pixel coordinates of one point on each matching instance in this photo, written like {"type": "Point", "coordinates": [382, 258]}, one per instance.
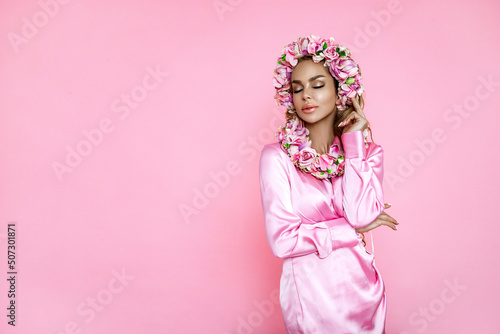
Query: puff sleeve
{"type": "Point", "coordinates": [286, 233]}
{"type": "Point", "coordinates": [363, 197]}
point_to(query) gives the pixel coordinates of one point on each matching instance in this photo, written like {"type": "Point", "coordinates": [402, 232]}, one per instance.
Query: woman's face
{"type": "Point", "coordinates": [313, 91]}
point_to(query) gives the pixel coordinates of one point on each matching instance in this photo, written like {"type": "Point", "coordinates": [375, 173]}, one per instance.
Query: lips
{"type": "Point", "coordinates": [309, 108]}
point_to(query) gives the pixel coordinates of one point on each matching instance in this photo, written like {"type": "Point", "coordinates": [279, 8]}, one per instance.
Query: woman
{"type": "Point", "coordinates": [321, 188]}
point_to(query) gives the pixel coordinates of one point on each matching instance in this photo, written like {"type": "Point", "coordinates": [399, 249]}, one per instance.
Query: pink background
{"type": "Point", "coordinates": [157, 227]}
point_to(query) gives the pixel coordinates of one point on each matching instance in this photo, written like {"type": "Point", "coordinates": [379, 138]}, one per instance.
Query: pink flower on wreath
{"type": "Point", "coordinates": [350, 90]}
{"type": "Point", "coordinates": [307, 156]}
{"type": "Point", "coordinates": [291, 51]}
{"type": "Point", "coordinates": [330, 53]}
{"type": "Point", "coordinates": [315, 44]}
{"type": "Point", "coordinates": [280, 79]}
{"type": "Point", "coordinates": [335, 151]}
{"type": "Point", "coordinates": [284, 96]}
{"type": "Point", "coordinates": [292, 140]}
{"type": "Point", "coordinates": [323, 162]}
{"type": "Point", "coordinates": [302, 131]}
{"type": "Point", "coordinates": [281, 135]}
{"type": "Point", "coordinates": [343, 49]}
{"type": "Point", "coordinates": [344, 68]}
{"type": "Point", "coordinates": [340, 167]}
{"type": "Point", "coordinates": [302, 43]}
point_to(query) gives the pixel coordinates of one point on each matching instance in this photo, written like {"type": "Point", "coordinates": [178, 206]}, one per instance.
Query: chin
{"type": "Point", "coordinates": [313, 117]}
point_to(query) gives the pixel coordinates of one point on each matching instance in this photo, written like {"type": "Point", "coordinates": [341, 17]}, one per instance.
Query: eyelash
{"type": "Point", "coordinates": [298, 91]}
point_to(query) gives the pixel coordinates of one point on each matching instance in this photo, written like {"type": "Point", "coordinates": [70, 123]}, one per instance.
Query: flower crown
{"type": "Point", "coordinates": [337, 58]}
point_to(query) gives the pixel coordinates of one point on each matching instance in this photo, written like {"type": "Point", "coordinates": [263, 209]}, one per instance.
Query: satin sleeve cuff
{"type": "Point", "coordinates": [354, 144]}
{"type": "Point", "coordinates": [342, 233]}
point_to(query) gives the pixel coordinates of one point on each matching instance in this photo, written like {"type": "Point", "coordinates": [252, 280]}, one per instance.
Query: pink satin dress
{"type": "Point", "coordinates": [329, 282]}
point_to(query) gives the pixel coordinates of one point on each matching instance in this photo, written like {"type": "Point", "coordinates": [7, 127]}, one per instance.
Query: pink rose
{"type": "Point", "coordinates": [307, 156]}
{"type": "Point", "coordinates": [344, 50]}
{"type": "Point", "coordinates": [315, 44]}
{"type": "Point", "coordinates": [335, 151]}
{"type": "Point", "coordinates": [348, 90]}
{"type": "Point", "coordinates": [330, 53]}
{"type": "Point", "coordinates": [302, 132]}
{"type": "Point", "coordinates": [303, 42]}
{"type": "Point", "coordinates": [278, 81]}
{"type": "Point", "coordinates": [282, 97]}
{"type": "Point", "coordinates": [324, 161]}
{"type": "Point", "coordinates": [294, 152]}
{"type": "Point", "coordinates": [344, 68]}
{"type": "Point", "coordinates": [281, 135]}
{"type": "Point", "coordinates": [291, 51]}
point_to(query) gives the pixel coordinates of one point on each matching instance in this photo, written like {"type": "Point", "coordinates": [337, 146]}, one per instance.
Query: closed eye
{"type": "Point", "coordinates": [299, 90]}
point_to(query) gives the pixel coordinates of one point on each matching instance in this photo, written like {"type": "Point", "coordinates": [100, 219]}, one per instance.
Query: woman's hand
{"type": "Point", "coordinates": [382, 219]}
{"type": "Point", "coordinates": [356, 121]}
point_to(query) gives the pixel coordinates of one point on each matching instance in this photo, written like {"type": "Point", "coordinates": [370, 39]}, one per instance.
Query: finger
{"type": "Point", "coordinates": [355, 103]}
{"type": "Point", "coordinates": [357, 107]}
{"type": "Point", "coordinates": [390, 219]}
{"type": "Point", "coordinates": [356, 116]}
{"type": "Point", "coordinates": [384, 217]}
{"type": "Point", "coordinates": [391, 225]}
{"type": "Point", "coordinates": [353, 116]}
{"type": "Point", "coordinates": [347, 120]}
{"type": "Point", "coordinates": [387, 205]}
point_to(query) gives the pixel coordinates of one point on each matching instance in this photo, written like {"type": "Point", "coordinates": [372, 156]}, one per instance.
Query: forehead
{"type": "Point", "coordinates": [308, 69]}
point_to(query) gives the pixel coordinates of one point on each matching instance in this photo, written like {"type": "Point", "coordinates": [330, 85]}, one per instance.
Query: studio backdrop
{"type": "Point", "coordinates": [130, 137]}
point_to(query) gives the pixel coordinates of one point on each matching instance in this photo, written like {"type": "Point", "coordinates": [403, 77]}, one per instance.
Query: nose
{"type": "Point", "coordinates": [307, 94]}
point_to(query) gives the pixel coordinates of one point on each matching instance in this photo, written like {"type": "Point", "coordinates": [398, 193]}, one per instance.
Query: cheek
{"type": "Point", "coordinates": [328, 96]}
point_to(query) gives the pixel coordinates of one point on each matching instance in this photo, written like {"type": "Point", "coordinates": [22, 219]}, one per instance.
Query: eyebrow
{"type": "Point", "coordinates": [312, 79]}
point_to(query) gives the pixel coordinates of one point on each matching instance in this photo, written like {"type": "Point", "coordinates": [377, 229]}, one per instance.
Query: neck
{"type": "Point", "coordinates": [321, 134]}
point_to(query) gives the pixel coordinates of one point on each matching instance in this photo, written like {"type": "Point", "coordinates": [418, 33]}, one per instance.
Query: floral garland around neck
{"type": "Point", "coordinates": [294, 140]}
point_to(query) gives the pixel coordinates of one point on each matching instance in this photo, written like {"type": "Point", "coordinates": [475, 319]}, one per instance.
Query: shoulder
{"type": "Point", "coordinates": [272, 149]}
{"type": "Point", "coordinates": [275, 167]}
{"type": "Point", "coordinates": [272, 156]}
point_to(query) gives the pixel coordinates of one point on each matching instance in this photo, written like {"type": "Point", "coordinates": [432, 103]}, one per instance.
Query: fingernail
{"type": "Point", "coordinates": [396, 228]}
{"type": "Point", "coordinates": [389, 203]}
{"type": "Point", "coordinates": [340, 123]}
